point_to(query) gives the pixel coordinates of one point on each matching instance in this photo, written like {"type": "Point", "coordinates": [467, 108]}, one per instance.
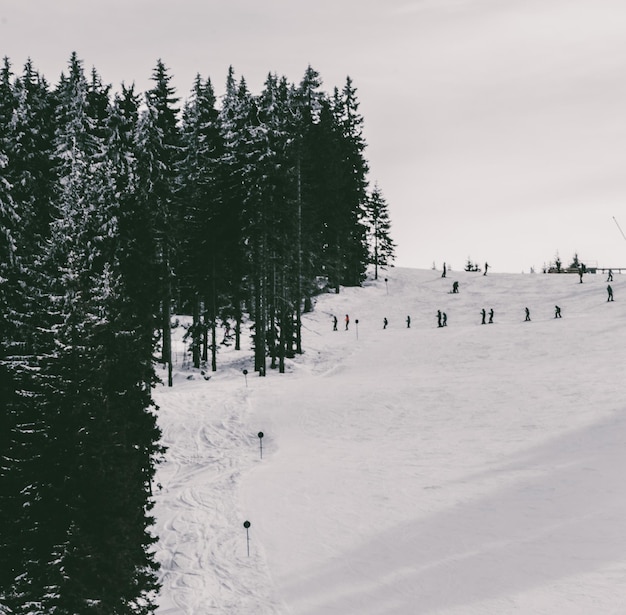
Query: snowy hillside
{"type": "Point", "coordinates": [469, 469]}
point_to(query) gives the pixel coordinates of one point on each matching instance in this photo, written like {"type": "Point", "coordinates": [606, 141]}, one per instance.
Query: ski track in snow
{"type": "Point", "coordinates": [466, 470]}
{"type": "Point", "coordinates": [202, 547]}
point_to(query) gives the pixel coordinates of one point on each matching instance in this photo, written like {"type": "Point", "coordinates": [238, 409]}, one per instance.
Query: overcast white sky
{"type": "Point", "coordinates": [496, 129]}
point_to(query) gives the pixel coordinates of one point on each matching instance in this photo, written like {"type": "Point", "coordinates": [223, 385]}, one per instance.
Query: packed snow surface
{"type": "Point", "coordinates": [468, 469]}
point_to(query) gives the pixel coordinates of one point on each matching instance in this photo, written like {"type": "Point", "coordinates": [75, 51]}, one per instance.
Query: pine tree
{"type": "Point", "coordinates": [30, 169]}
{"type": "Point", "coordinates": [202, 266]}
{"type": "Point", "coordinates": [277, 163]}
{"type": "Point", "coordinates": [233, 116]}
{"type": "Point", "coordinates": [82, 463]}
{"type": "Point", "coordinates": [24, 194]}
{"type": "Point", "coordinates": [137, 252]}
{"type": "Point", "coordinates": [382, 247]}
{"type": "Point", "coordinates": [159, 148]}
{"type": "Point", "coordinates": [10, 365]}
{"type": "Point", "coordinates": [352, 242]}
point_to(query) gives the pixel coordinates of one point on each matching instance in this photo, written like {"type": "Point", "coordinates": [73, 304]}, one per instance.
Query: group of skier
{"type": "Point", "coordinates": [442, 318]}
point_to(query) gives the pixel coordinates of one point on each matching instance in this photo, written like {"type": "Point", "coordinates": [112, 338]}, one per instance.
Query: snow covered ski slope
{"type": "Point", "coordinates": [468, 469]}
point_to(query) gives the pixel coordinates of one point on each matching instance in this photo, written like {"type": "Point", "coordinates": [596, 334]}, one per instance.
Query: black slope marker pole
{"type": "Point", "coordinates": [245, 375]}
{"type": "Point", "coordinates": [246, 524]}
{"type": "Point", "coordinates": [356, 322]}
{"type": "Point", "coordinates": [260, 434]}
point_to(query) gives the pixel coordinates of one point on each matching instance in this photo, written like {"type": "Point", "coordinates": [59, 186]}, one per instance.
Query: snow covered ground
{"type": "Point", "coordinates": [471, 469]}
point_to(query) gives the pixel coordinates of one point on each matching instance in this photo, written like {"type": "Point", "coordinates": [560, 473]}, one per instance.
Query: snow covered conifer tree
{"type": "Point", "coordinates": [159, 152]}
{"type": "Point", "coordinates": [81, 469]}
{"type": "Point", "coordinates": [233, 117]}
{"type": "Point", "coordinates": [25, 180]}
{"type": "Point", "coordinates": [379, 225]}
{"type": "Point", "coordinates": [353, 186]}
{"type": "Point", "coordinates": [202, 266]}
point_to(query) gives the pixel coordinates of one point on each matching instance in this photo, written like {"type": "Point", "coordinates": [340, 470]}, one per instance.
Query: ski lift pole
{"type": "Point", "coordinates": [246, 524]}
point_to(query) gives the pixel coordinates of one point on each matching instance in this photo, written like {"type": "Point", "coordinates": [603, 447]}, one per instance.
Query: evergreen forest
{"type": "Point", "coordinates": [119, 209]}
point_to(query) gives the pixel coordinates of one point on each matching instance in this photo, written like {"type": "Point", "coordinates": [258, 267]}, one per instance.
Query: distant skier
{"type": "Point", "coordinates": [609, 290]}
{"type": "Point", "coordinates": [580, 274]}
{"type": "Point", "coordinates": [347, 321]}
{"type": "Point", "coordinates": [455, 287]}
{"type": "Point", "coordinates": [385, 323]}
{"type": "Point", "coordinates": [491, 316]}
{"type": "Point", "coordinates": [408, 322]}
{"type": "Point", "coordinates": [484, 315]}
{"type": "Point", "coordinates": [557, 311]}
{"type": "Point", "coordinates": [334, 323]}
{"type": "Point", "coordinates": [527, 319]}
{"type": "Point", "coordinates": [439, 318]}
{"type": "Point", "coordinates": [486, 267]}
{"type": "Point", "coordinates": [443, 275]}
{"type": "Point", "coordinates": [610, 276]}
{"type": "Point", "coordinates": [444, 319]}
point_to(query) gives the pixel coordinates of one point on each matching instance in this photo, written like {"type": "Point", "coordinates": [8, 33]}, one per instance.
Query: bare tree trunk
{"type": "Point", "coordinates": [238, 319]}
{"type": "Point", "coordinates": [195, 333]}
{"type": "Point", "coordinates": [166, 314]}
{"type": "Point", "coordinates": [299, 290]}
{"type": "Point", "coordinates": [213, 321]}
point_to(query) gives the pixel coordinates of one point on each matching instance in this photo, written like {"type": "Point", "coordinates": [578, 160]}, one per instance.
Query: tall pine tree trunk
{"type": "Point", "coordinates": [196, 333]}
{"type": "Point", "coordinates": [166, 312]}
{"type": "Point", "coordinates": [205, 333]}
{"type": "Point", "coordinates": [238, 320]}
{"type": "Point", "coordinates": [299, 272]}
{"type": "Point", "coordinates": [282, 342]}
{"type": "Point", "coordinates": [213, 319]}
